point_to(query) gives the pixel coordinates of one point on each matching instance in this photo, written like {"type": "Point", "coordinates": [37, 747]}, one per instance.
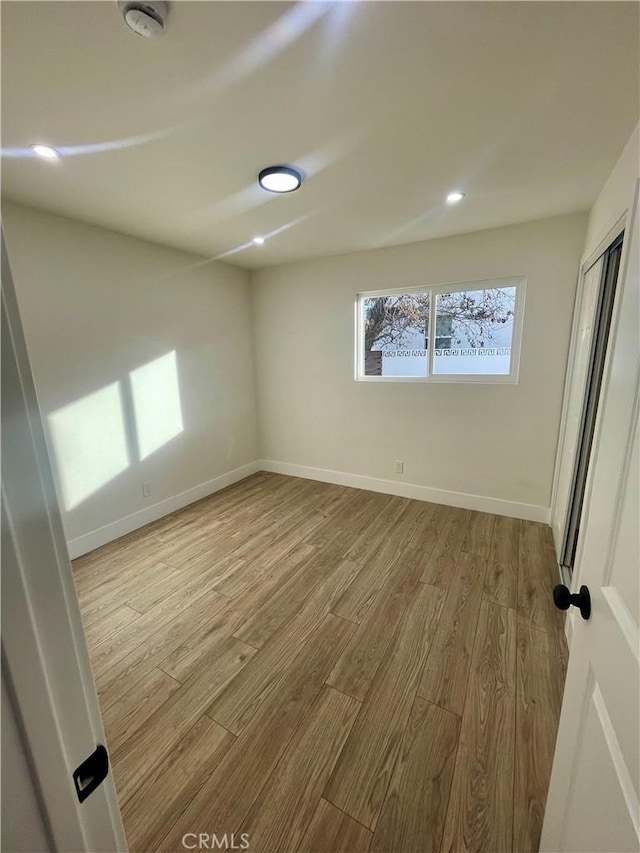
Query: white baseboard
{"type": "Point", "coordinates": [95, 538]}
{"type": "Point", "coordinates": [529, 512]}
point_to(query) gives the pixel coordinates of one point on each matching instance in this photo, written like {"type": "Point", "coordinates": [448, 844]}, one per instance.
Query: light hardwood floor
{"type": "Point", "coordinates": [327, 669]}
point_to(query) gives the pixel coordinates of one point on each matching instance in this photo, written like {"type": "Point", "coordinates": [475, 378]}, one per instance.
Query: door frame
{"type": "Point", "coordinates": [598, 349]}
{"type": "Point", "coordinates": [606, 384]}
{"type": "Point", "coordinates": [45, 659]}
{"type": "Point", "coordinates": [558, 526]}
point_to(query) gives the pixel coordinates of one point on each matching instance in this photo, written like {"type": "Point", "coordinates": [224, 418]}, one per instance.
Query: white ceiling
{"type": "Point", "coordinates": [385, 105]}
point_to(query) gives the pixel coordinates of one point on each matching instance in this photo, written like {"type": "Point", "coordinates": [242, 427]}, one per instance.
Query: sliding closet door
{"type": "Point", "coordinates": [576, 392]}
{"type": "Point", "coordinates": [595, 369]}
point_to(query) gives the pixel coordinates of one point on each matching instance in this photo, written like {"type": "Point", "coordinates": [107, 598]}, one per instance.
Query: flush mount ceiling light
{"type": "Point", "coordinates": [45, 151]}
{"type": "Point", "coordinates": [280, 179]}
{"type": "Point", "coordinates": [259, 241]}
{"type": "Point", "coordinates": [147, 19]}
{"type": "Point", "coordinates": [454, 197]}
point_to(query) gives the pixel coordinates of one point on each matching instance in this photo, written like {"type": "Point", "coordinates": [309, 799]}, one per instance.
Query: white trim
{"type": "Point", "coordinates": [45, 659]}
{"type": "Point", "coordinates": [102, 535]}
{"type": "Point", "coordinates": [446, 286]}
{"type": "Point", "coordinates": [626, 622]}
{"type": "Point", "coordinates": [630, 216]}
{"type": "Point", "coordinates": [443, 378]}
{"type": "Point", "coordinates": [588, 260]}
{"type": "Point", "coordinates": [617, 757]}
{"type": "Point", "coordinates": [568, 628]}
{"type": "Point", "coordinates": [620, 225]}
{"type": "Point", "coordinates": [95, 538]}
{"type": "Point", "coordinates": [481, 503]}
{"type": "Point", "coordinates": [557, 525]}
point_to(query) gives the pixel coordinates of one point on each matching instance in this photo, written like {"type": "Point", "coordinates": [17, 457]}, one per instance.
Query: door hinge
{"type": "Point", "coordinates": [91, 773]}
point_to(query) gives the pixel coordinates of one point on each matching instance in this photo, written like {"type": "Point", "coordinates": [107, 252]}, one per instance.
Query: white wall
{"type": "Point", "coordinates": [96, 306]}
{"type": "Point", "coordinates": [616, 196]}
{"type": "Point", "coordinates": [493, 441]}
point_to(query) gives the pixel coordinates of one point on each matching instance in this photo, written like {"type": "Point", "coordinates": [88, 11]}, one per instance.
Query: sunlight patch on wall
{"type": "Point", "coordinates": [90, 443]}
{"type": "Point", "coordinates": [156, 403]}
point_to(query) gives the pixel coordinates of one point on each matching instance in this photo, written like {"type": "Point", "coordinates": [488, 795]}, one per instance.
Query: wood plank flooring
{"type": "Point", "coordinates": [326, 670]}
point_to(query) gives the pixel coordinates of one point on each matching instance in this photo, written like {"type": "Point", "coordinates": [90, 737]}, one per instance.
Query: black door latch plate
{"type": "Point", "coordinates": [91, 773]}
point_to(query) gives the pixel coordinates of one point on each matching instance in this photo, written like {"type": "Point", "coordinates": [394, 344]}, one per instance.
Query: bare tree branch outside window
{"type": "Point", "coordinates": [474, 315]}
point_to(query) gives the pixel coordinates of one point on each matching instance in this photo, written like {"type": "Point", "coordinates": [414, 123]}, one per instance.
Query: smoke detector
{"type": "Point", "coordinates": [146, 19]}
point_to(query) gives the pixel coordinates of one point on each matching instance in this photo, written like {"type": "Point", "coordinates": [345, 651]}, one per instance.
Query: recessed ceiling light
{"type": "Point", "coordinates": [455, 197]}
{"type": "Point", "coordinates": [45, 151]}
{"type": "Point", "coordinates": [259, 241]}
{"type": "Point", "coordinates": [280, 179]}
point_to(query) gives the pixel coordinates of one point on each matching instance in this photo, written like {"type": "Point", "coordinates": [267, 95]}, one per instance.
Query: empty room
{"type": "Point", "coordinates": [320, 405]}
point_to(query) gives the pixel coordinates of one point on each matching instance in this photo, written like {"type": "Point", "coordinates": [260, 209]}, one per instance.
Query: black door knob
{"type": "Point", "coordinates": [563, 599]}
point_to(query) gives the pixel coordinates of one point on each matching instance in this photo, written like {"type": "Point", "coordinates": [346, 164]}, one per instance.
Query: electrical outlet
{"type": "Point", "coordinates": [398, 467]}
{"type": "Point", "coordinates": [146, 490]}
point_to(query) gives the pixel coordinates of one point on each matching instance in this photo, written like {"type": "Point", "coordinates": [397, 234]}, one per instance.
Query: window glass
{"type": "Point", "coordinates": [395, 335]}
{"type": "Point", "coordinates": [474, 331]}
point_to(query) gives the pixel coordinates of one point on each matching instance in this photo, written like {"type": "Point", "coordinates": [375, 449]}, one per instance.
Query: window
{"type": "Point", "coordinates": [477, 328]}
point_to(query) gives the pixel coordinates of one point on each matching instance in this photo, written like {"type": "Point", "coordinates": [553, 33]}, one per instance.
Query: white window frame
{"type": "Point", "coordinates": [520, 284]}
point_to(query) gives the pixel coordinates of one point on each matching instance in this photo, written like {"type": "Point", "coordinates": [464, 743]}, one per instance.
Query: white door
{"type": "Point", "coordinates": [45, 663]}
{"type": "Point", "coordinates": [595, 782]}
